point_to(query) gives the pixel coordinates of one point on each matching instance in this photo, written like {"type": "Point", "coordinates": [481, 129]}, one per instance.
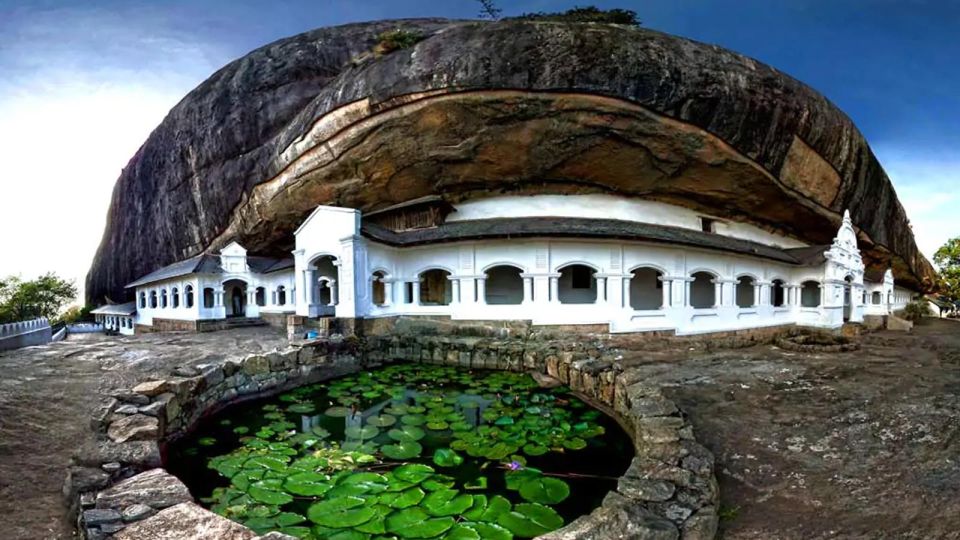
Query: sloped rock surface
{"type": "Point", "coordinates": [479, 108]}
{"type": "Point", "coordinates": [185, 521]}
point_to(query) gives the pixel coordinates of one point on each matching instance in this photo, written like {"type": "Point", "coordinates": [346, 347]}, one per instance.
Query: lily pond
{"type": "Point", "coordinates": [407, 451]}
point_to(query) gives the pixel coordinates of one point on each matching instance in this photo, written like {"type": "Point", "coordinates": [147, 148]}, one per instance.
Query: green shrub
{"type": "Point", "coordinates": [916, 310]}
{"type": "Point", "coordinates": [393, 40]}
{"type": "Point", "coordinates": [587, 14]}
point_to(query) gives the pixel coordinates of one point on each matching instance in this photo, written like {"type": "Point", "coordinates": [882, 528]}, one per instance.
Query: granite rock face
{"type": "Point", "coordinates": [483, 108]}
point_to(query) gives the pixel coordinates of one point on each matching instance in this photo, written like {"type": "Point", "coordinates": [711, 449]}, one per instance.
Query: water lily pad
{"type": "Point", "coordinates": [302, 408]}
{"type": "Point", "coordinates": [413, 472]}
{"type": "Point", "coordinates": [241, 430]}
{"type": "Point", "coordinates": [402, 450]}
{"type": "Point", "coordinates": [365, 432]}
{"type": "Point", "coordinates": [413, 419]}
{"type": "Point", "coordinates": [403, 499]}
{"type": "Point", "coordinates": [206, 441]}
{"type": "Point", "coordinates": [269, 492]}
{"type": "Point", "coordinates": [488, 531]}
{"type": "Point", "coordinates": [497, 506]}
{"type": "Point", "coordinates": [462, 532]}
{"type": "Point", "coordinates": [406, 433]}
{"type": "Point", "coordinates": [308, 484]}
{"type": "Point", "coordinates": [544, 490]}
{"type": "Point", "coordinates": [530, 520]}
{"type": "Point", "coordinates": [340, 512]}
{"type": "Point", "coordinates": [415, 523]}
{"type": "Point", "coordinates": [382, 420]}
{"type": "Point", "coordinates": [337, 412]}
{"type": "Point", "coordinates": [445, 457]}
{"type": "Point", "coordinates": [477, 483]}
{"type": "Point", "coordinates": [447, 502]}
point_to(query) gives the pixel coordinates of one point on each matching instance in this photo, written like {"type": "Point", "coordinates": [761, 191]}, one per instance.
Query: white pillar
{"type": "Point", "coordinates": [333, 292]}
{"type": "Point", "coordinates": [687, 285]}
{"type": "Point", "coordinates": [601, 290]}
{"type": "Point", "coordinates": [666, 284]}
{"type": "Point", "coordinates": [527, 289]}
{"type": "Point", "coordinates": [482, 290]}
{"type": "Point", "coordinates": [625, 283]}
{"type": "Point", "coordinates": [309, 285]}
{"type": "Point", "coordinates": [388, 293]}
{"type": "Point", "coordinates": [415, 297]}
{"type": "Point", "coordinates": [455, 291]}
{"type": "Point", "coordinates": [555, 289]}
{"type": "Point", "coordinates": [718, 293]}
{"type": "Point", "coordinates": [757, 301]}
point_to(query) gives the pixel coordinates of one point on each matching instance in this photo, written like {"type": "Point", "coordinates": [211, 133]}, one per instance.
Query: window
{"type": "Point", "coordinates": [208, 297]}
{"type": "Point", "coordinates": [876, 298]}
{"type": "Point", "coordinates": [777, 293]}
{"type": "Point", "coordinates": [261, 296]}
{"type": "Point", "coordinates": [745, 292]}
{"type": "Point", "coordinates": [153, 299]}
{"type": "Point", "coordinates": [708, 224]}
{"type": "Point", "coordinates": [163, 299]}
{"type": "Point", "coordinates": [810, 294]}
{"type": "Point", "coordinates": [281, 296]}
{"type": "Point", "coordinates": [581, 277]}
{"type": "Point", "coordinates": [143, 300]}
{"type": "Point", "coordinates": [175, 297]}
{"type": "Point", "coordinates": [188, 296]}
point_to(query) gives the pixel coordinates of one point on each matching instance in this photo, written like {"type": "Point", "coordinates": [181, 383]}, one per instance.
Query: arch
{"type": "Point", "coordinates": [568, 264]}
{"type": "Point", "coordinates": [576, 284]}
{"type": "Point", "coordinates": [646, 288]}
{"type": "Point", "coordinates": [163, 299]}
{"type": "Point", "coordinates": [175, 298]}
{"type": "Point", "coordinates": [378, 289]}
{"type": "Point", "coordinates": [703, 293]}
{"type": "Point", "coordinates": [777, 292]}
{"type": "Point", "coordinates": [433, 267]}
{"type": "Point", "coordinates": [281, 295]}
{"type": "Point", "coordinates": [653, 266]}
{"type": "Point", "coordinates": [188, 296]}
{"type": "Point", "coordinates": [435, 289]}
{"type": "Point", "coordinates": [208, 298]}
{"type": "Point", "coordinates": [260, 296]}
{"type": "Point", "coordinates": [810, 293]}
{"type": "Point", "coordinates": [153, 299]}
{"type": "Point", "coordinates": [143, 300]}
{"type": "Point", "coordinates": [313, 259]}
{"type": "Point", "coordinates": [487, 268]}
{"type": "Point", "coordinates": [504, 285]}
{"type": "Point", "coordinates": [754, 277]}
{"type": "Point", "coordinates": [327, 269]}
{"type": "Point", "coordinates": [746, 291]}
{"type": "Point", "coordinates": [235, 297]}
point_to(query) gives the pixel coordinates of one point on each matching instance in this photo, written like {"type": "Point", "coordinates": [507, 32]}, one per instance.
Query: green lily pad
{"type": "Point", "coordinates": [530, 520]}
{"type": "Point", "coordinates": [477, 483]}
{"type": "Point", "coordinates": [302, 408]}
{"type": "Point", "coordinates": [383, 420]}
{"type": "Point", "coordinates": [340, 512]}
{"type": "Point", "coordinates": [413, 419]}
{"type": "Point", "coordinates": [402, 450]}
{"type": "Point", "coordinates": [404, 499]}
{"type": "Point", "coordinates": [415, 523]}
{"type": "Point", "coordinates": [544, 490]}
{"type": "Point", "coordinates": [206, 441]}
{"type": "Point", "coordinates": [308, 484]}
{"type": "Point", "coordinates": [445, 457]}
{"type": "Point", "coordinates": [406, 433]}
{"type": "Point", "coordinates": [446, 502]}
{"type": "Point", "coordinates": [414, 472]}
{"type": "Point", "coordinates": [357, 432]}
{"type": "Point", "coordinates": [462, 532]}
{"type": "Point", "coordinates": [269, 492]}
{"type": "Point", "coordinates": [337, 412]}
{"type": "Point", "coordinates": [488, 531]}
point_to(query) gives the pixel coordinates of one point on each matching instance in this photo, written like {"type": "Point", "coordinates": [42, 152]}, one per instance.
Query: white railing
{"type": "Point", "coordinates": [23, 327]}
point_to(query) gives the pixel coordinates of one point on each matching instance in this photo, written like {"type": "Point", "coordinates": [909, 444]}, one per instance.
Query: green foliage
{"type": "Point", "coordinates": [588, 14]}
{"type": "Point", "coordinates": [947, 259]}
{"type": "Point", "coordinates": [75, 314]}
{"type": "Point", "coordinates": [916, 310]}
{"type": "Point", "coordinates": [393, 40]}
{"type": "Point", "coordinates": [42, 297]}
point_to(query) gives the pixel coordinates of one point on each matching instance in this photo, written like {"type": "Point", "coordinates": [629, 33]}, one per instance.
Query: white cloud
{"type": "Point", "coordinates": [929, 188]}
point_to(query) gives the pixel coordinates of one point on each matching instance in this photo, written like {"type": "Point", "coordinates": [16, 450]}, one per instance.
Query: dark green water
{"type": "Point", "coordinates": [321, 461]}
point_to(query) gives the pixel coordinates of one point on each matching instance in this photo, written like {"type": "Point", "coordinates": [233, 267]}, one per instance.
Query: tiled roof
{"type": "Point", "coordinates": [579, 228]}
{"type": "Point", "coordinates": [210, 264]}
{"type": "Point", "coordinates": [116, 309]}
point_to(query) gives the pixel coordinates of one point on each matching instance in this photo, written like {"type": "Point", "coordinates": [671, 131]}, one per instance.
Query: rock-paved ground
{"type": "Point", "coordinates": [47, 394]}
{"type": "Point", "coordinates": [848, 445]}
{"type": "Point", "coordinates": [851, 445]}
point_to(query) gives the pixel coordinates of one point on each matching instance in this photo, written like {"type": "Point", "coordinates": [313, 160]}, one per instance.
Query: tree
{"type": "Point", "coordinates": [588, 14]}
{"type": "Point", "coordinates": [42, 297]}
{"type": "Point", "coordinates": [947, 259]}
{"type": "Point", "coordinates": [489, 10]}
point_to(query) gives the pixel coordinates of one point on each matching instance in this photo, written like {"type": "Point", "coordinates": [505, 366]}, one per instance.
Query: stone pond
{"type": "Point", "coordinates": [667, 490]}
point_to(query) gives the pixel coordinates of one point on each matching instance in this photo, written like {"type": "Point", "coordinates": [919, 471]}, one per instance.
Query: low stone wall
{"type": "Point", "coordinates": [120, 492]}
{"type": "Point", "coordinates": [24, 334]}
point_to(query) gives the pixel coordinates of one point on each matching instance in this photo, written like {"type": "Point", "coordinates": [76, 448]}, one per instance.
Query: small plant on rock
{"type": "Point", "coordinates": [393, 40]}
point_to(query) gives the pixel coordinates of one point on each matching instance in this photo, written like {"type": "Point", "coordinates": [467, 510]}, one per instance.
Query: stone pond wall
{"type": "Point", "coordinates": [119, 490]}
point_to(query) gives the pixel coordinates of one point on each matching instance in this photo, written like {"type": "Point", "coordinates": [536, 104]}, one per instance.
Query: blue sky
{"type": "Point", "coordinates": [83, 82]}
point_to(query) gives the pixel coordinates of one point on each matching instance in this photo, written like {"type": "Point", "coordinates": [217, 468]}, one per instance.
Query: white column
{"type": "Point", "coordinates": [686, 290]}
{"type": "Point", "coordinates": [388, 293]}
{"type": "Point", "coordinates": [333, 292]}
{"type": "Point", "coordinates": [667, 283]}
{"type": "Point", "coordinates": [555, 289]}
{"type": "Point", "coordinates": [482, 290]}
{"type": "Point", "coordinates": [601, 290]}
{"type": "Point", "coordinates": [757, 300]}
{"type": "Point", "coordinates": [415, 300]}
{"type": "Point", "coordinates": [625, 283]}
{"type": "Point", "coordinates": [309, 285]}
{"type": "Point", "coordinates": [718, 296]}
{"type": "Point", "coordinates": [455, 291]}
{"type": "Point", "coordinates": [527, 289]}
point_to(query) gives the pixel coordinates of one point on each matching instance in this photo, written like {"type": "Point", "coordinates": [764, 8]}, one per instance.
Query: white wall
{"type": "Point", "coordinates": [610, 207]}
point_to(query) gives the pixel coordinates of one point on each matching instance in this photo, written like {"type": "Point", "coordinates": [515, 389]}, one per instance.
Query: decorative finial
{"type": "Point", "coordinates": [846, 216]}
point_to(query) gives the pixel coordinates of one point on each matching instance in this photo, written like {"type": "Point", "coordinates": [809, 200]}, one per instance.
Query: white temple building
{"type": "Point", "coordinates": [628, 265]}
